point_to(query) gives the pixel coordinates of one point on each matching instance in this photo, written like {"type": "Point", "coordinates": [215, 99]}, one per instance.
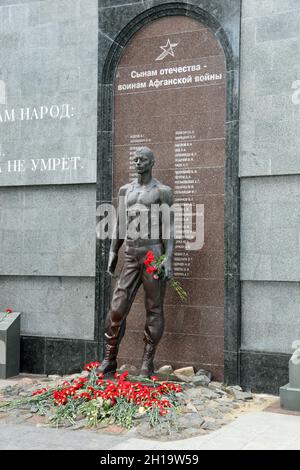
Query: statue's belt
{"type": "Point", "coordinates": [143, 242]}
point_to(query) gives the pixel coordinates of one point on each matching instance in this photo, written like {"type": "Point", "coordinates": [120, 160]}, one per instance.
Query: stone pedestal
{"type": "Point", "coordinates": [290, 393]}
{"type": "Point", "coordinates": [9, 344]}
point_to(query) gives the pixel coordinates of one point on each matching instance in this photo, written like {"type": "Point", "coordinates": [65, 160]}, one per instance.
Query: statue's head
{"type": "Point", "coordinates": [143, 160]}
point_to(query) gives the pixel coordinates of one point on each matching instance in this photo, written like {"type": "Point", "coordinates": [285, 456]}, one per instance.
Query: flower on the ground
{"type": "Point", "coordinates": [8, 310]}
{"type": "Point", "coordinates": [109, 392]}
{"type": "Point", "coordinates": [92, 365]}
{"type": "Point", "coordinates": [100, 399]}
{"type": "Point", "coordinates": [39, 392]}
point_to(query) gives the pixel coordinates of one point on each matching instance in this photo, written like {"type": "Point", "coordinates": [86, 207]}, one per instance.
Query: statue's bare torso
{"type": "Point", "coordinates": [143, 202]}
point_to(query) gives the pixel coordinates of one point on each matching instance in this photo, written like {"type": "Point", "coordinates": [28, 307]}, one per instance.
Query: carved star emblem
{"type": "Point", "coordinates": [167, 50]}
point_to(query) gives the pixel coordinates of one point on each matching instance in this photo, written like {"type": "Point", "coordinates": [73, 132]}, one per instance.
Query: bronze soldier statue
{"type": "Point", "coordinates": [139, 197]}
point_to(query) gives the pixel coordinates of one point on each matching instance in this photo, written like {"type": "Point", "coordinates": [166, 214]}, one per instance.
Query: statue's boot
{"type": "Point", "coordinates": [109, 363]}
{"type": "Point", "coordinates": [147, 367]}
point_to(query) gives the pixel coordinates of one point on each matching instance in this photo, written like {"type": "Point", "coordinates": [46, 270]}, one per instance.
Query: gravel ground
{"type": "Point", "coordinates": [207, 405]}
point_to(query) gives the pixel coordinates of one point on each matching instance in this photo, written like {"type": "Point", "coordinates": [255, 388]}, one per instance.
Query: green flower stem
{"type": "Point", "coordinates": [173, 282]}
{"type": "Point", "coordinates": [178, 289]}
{"type": "Point", "coordinates": [24, 401]}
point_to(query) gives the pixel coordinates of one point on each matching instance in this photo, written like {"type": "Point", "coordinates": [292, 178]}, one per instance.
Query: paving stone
{"type": "Point", "coordinates": [26, 406]}
{"type": "Point", "coordinates": [132, 370]}
{"type": "Point", "coordinates": [8, 391]}
{"type": "Point", "coordinates": [80, 424]}
{"type": "Point", "coordinates": [215, 384]}
{"type": "Point", "coordinates": [224, 400]}
{"type": "Point", "coordinates": [80, 417]}
{"type": "Point", "coordinates": [213, 413]}
{"type": "Point", "coordinates": [181, 378]}
{"type": "Point", "coordinates": [198, 380]}
{"type": "Point", "coordinates": [36, 419]}
{"type": "Point", "coordinates": [100, 427]}
{"type": "Point", "coordinates": [33, 408]}
{"type": "Point", "coordinates": [191, 420]}
{"type": "Point", "coordinates": [191, 432]}
{"type": "Point", "coordinates": [165, 430]}
{"type": "Point", "coordinates": [199, 401]}
{"type": "Point", "coordinates": [201, 408]}
{"type": "Point", "coordinates": [25, 394]}
{"type": "Point", "coordinates": [54, 377]}
{"type": "Point", "coordinates": [189, 408]}
{"type": "Point", "coordinates": [194, 393]}
{"type": "Point", "coordinates": [211, 425]}
{"type": "Point", "coordinates": [224, 409]}
{"type": "Point", "coordinates": [239, 394]}
{"type": "Point", "coordinates": [165, 370]}
{"type": "Point", "coordinates": [225, 421]}
{"type": "Point", "coordinates": [243, 396]}
{"type": "Point", "coordinates": [204, 372]}
{"type": "Point", "coordinates": [114, 429]}
{"type": "Point", "coordinates": [209, 394]}
{"type": "Point", "coordinates": [233, 388]}
{"type": "Point", "coordinates": [27, 381]}
{"type": "Point", "coordinates": [185, 372]}
{"type": "Point", "coordinates": [64, 423]}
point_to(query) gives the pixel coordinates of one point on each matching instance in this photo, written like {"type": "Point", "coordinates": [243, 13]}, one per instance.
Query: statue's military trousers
{"type": "Point", "coordinates": [132, 276]}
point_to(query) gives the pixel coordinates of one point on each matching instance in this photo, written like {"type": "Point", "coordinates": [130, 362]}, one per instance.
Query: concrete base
{"type": "Point", "coordinates": [290, 398]}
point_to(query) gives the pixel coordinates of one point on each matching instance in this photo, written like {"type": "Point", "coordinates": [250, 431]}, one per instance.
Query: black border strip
{"type": "Point", "coordinates": [264, 371]}
{"type": "Point", "coordinates": [44, 355]}
{"type": "Point", "coordinates": [260, 371]}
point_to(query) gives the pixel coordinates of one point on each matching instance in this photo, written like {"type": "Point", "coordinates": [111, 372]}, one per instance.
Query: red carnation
{"type": "Point", "coordinates": [151, 269]}
{"type": "Point", "coordinates": [149, 258]}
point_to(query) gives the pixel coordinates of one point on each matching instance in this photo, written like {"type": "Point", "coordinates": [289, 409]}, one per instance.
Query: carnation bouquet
{"type": "Point", "coordinates": [156, 269]}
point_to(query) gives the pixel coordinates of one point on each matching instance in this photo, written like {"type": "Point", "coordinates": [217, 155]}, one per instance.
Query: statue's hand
{"type": "Point", "coordinates": [168, 266]}
{"type": "Point", "coordinates": [112, 263]}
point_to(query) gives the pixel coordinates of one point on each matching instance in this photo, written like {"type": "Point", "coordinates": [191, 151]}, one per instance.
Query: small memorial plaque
{"type": "Point", "coordinates": [9, 344]}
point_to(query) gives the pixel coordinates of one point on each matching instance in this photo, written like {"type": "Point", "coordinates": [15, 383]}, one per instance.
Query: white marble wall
{"type": "Point", "coordinates": [270, 174]}
{"type": "Point", "coordinates": [48, 57]}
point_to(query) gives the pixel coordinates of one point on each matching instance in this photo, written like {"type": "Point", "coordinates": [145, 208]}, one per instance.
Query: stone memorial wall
{"type": "Point", "coordinates": [82, 84]}
{"type": "Point", "coordinates": [170, 95]}
{"type": "Point", "coordinates": [48, 152]}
